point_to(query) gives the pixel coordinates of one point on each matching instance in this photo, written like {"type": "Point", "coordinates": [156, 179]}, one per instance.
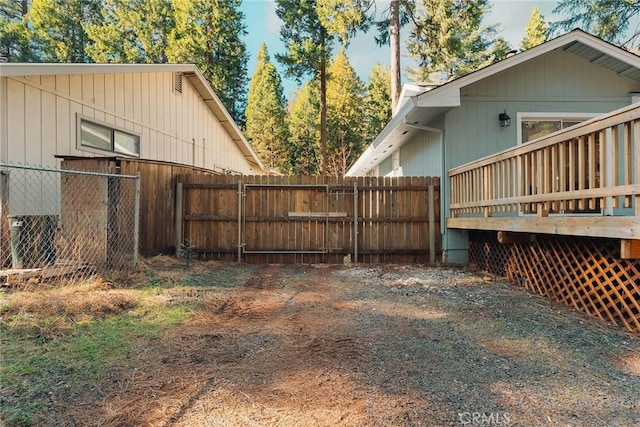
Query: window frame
{"type": "Point", "coordinates": [542, 116]}
{"type": "Point", "coordinates": [113, 130]}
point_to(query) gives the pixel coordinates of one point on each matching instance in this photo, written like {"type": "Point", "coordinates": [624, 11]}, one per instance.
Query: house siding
{"type": "Point", "coordinates": [385, 167]}
{"type": "Point", "coordinates": [180, 128]}
{"type": "Point", "coordinates": [422, 156]}
{"type": "Point", "coordinates": [556, 82]}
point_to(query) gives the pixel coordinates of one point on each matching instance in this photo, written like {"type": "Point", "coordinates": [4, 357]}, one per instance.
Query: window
{"type": "Point", "coordinates": [536, 125]}
{"type": "Point", "coordinates": [105, 138]}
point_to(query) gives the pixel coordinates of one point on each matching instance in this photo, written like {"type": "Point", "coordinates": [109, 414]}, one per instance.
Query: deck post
{"type": "Point", "coordinates": [636, 165]}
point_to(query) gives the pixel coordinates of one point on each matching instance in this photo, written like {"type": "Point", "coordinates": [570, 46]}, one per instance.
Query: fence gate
{"type": "Point", "coordinates": [309, 219]}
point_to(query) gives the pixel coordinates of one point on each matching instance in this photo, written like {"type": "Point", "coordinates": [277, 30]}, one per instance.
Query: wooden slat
{"type": "Point", "coordinates": [592, 166]}
{"type": "Point", "coordinates": [581, 169]}
{"type": "Point", "coordinates": [573, 177]}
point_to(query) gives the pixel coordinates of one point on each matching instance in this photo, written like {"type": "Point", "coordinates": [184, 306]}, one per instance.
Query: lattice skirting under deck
{"type": "Point", "coordinates": [584, 273]}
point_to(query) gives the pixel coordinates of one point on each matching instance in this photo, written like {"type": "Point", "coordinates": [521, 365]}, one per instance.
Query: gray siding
{"type": "Point", "coordinates": [557, 82]}
{"type": "Point", "coordinates": [386, 167]}
{"type": "Point", "coordinates": [422, 156]}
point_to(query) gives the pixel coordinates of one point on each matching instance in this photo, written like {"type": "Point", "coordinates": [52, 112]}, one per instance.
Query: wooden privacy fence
{"type": "Point", "coordinates": [275, 219]}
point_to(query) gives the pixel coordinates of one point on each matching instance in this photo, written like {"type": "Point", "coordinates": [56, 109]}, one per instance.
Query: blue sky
{"type": "Point", "coordinates": [264, 26]}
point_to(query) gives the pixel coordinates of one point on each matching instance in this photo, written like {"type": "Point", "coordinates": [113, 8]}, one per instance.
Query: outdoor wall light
{"type": "Point", "coordinates": [505, 120]}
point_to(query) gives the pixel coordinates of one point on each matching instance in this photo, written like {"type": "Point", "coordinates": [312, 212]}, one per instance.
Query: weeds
{"type": "Point", "coordinates": [187, 252]}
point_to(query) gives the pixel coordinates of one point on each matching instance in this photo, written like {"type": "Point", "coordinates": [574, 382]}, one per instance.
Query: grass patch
{"type": "Point", "coordinates": [58, 343]}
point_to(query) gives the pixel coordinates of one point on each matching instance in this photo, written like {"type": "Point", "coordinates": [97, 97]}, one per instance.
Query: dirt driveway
{"type": "Point", "coordinates": [367, 346]}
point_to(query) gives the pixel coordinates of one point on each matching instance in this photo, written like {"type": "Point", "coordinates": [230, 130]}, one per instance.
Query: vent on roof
{"type": "Point", "coordinates": [177, 82]}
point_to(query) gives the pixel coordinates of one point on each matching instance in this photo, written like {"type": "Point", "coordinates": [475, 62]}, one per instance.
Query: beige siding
{"type": "Point", "coordinates": [42, 112]}
{"type": "Point", "coordinates": [3, 119]}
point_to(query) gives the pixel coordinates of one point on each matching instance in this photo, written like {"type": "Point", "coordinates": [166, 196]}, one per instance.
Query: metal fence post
{"type": "Point", "coordinates": [136, 222]}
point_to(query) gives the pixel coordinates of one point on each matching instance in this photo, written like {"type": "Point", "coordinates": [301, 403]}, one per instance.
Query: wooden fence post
{"type": "Point", "coordinates": [432, 226]}
{"type": "Point", "coordinates": [239, 221]}
{"type": "Point", "coordinates": [355, 220]}
{"type": "Point", "coordinates": [179, 213]}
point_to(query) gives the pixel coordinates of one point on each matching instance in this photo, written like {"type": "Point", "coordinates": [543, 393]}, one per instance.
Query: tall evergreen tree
{"type": "Point", "coordinates": [345, 115]}
{"type": "Point", "coordinates": [208, 34]}
{"type": "Point", "coordinates": [377, 102]}
{"type": "Point", "coordinates": [500, 49]}
{"type": "Point", "coordinates": [309, 30]}
{"type": "Point", "coordinates": [303, 147]}
{"type": "Point", "coordinates": [266, 127]}
{"type": "Point", "coordinates": [449, 39]}
{"type": "Point", "coordinates": [14, 36]}
{"type": "Point", "coordinates": [536, 31]}
{"type": "Point", "coordinates": [388, 27]}
{"type": "Point", "coordinates": [131, 31]}
{"type": "Point", "coordinates": [612, 20]}
{"type": "Point", "coordinates": [59, 28]}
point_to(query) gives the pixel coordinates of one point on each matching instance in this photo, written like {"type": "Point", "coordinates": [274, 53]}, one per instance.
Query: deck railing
{"type": "Point", "coordinates": [590, 168]}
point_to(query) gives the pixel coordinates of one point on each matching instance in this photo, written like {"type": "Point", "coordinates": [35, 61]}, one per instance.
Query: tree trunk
{"type": "Point", "coordinates": [394, 30]}
{"type": "Point", "coordinates": [323, 107]}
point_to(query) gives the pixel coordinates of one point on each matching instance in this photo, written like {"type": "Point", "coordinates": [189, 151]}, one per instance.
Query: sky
{"type": "Point", "coordinates": [263, 25]}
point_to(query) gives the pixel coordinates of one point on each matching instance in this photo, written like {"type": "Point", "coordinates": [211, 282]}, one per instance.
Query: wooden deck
{"type": "Point", "coordinates": [582, 181]}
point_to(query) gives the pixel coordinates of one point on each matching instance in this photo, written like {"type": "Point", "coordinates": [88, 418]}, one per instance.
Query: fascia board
{"type": "Point", "coordinates": [360, 166]}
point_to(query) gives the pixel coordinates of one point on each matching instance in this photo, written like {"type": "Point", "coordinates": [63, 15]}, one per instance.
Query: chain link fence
{"type": "Point", "coordinates": [66, 224]}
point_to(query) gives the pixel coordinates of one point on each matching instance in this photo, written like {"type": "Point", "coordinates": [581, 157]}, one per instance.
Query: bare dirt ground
{"type": "Point", "coordinates": [367, 346]}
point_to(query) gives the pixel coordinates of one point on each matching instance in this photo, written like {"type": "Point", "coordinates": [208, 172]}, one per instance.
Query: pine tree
{"type": "Point", "coordinates": [14, 35]}
{"type": "Point", "coordinates": [536, 31]}
{"type": "Point", "coordinates": [59, 28]}
{"type": "Point", "coordinates": [303, 146]}
{"type": "Point", "coordinates": [131, 31]}
{"type": "Point", "coordinates": [345, 116]}
{"type": "Point", "coordinates": [500, 49]}
{"type": "Point", "coordinates": [614, 21]}
{"type": "Point", "coordinates": [266, 127]}
{"type": "Point", "coordinates": [309, 30]}
{"type": "Point", "coordinates": [397, 16]}
{"type": "Point", "coordinates": [208, 34]}
{"type": "Point", "coordinates": [448, 38]}
{"type": "Point", "coordinates": [377, 102]}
